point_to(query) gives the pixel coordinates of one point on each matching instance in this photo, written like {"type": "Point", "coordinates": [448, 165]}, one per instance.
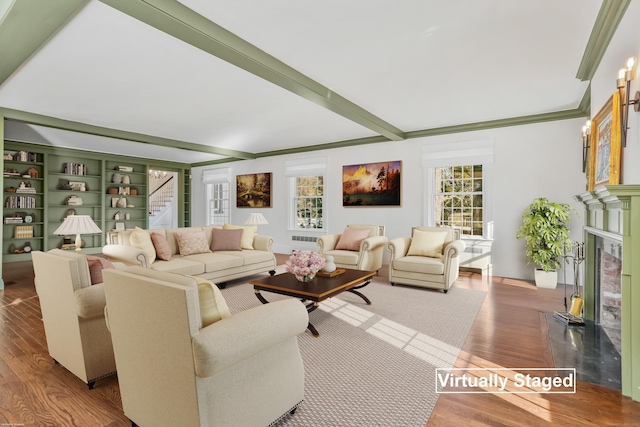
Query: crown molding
{"type": "Point", "coordinates": [607, 21]}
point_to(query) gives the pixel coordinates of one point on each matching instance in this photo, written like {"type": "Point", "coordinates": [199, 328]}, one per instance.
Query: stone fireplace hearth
{"type": "Point", "coordinates": [612, 273]}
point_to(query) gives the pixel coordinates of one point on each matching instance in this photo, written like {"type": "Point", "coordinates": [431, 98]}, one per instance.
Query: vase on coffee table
{"type": "Point", "coordinates": [305, 277]}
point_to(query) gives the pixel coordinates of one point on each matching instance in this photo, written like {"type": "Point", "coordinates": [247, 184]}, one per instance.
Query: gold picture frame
{"type": "Point", "coordinates": [605, 151]}
{"type": "Point", "coordinates": [253, 190]}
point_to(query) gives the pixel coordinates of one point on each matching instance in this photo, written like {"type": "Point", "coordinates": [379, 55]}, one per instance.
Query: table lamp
{"type": "Point", "coordinates": [256, 219]}
{"type": "Point", "coordinates": [77, 224]}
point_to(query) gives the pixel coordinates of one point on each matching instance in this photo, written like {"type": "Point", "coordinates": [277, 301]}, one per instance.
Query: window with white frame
{"type": "Point", "coordinates": [306, 193]}
{"type": "Point", "coordinates": [458, 198]}
{"type": "Point", "coordinates": [457, 182]}
{"type": "Point", "coordinates": [308, 202]}
{"type": "Point", "coordinates": [217, 183]}
{"type": "Point", "coordinates": [218, 203]}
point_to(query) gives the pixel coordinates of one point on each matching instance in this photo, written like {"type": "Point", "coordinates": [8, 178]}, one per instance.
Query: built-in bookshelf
{"type": "Point", "coordinates": [126, 197]}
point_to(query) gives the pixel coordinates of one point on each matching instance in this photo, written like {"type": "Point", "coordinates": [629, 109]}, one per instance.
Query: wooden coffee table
{"type": "Point", "coordinates": [317, 290]}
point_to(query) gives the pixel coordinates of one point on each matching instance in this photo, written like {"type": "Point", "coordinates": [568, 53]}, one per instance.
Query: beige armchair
{"type": "Point", "coordinates": [429, 258]}
{"type": "Point", "coordinates": [73, 315]}
{"type": "Point", "coordinates": [359, 247]}
{"type": "Point", "coordinates": [244, 369]}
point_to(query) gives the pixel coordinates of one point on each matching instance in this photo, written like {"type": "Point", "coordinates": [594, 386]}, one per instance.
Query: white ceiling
{"type": "Point", "coordinates": [415, 65]}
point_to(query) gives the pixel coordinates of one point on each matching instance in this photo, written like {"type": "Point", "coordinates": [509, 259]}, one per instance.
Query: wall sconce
{"type": "Point", "coordinates": [586, 143]}
{"type": "Point", "coordinates": [625, 75]}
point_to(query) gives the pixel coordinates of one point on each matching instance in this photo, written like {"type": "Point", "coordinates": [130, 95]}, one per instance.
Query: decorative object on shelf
{"type": "Point", "coordinates": [625, 75]}
{"type": "Point", "coordinates": [28, 218]}
{"type": "Point", "coordinates": [133, 191]}
{"type": "Point", "coordinates": [126, 179]}
{"type": "Point", "coordinates": [73, 201]}
{"type": "Point", "coordinates": [131, 206]}
{"type": "Point", "coordinates": [304, 264]}
{"type": "Point", "coordinates": [77, 224]}
{"type": "Point", "coordinates": [330, 265]}
{"type": "Point", "coordinates": [586, 144]}
{"type": "Point", "coordinates": [25, 187]}
{"type": "Point", "coordinates": [112, 190]}
{"type": "Point", "coordinates": [63, 184]}
{"type": "Point", "coordinates": [23, 232]}
{"type": "Point", "coordinates": [10, 172]}
{"type": "Point", "coordinates": [117, 216]}
{"type": "Point", "coordinates": [127, 216]}
{"type": "Point", "coordinates": [116, 178]}
{"type": "Point", "coordinates": [15, 218]}
{"type": "Point", "coordinates": [124, 168]}
{"type": "Point", "coordinates": [123, 191]}
{"type": "Point", "coordinates": [120, 226]}
{"type": "Point", "coordinates": [118, 202]}
{"type": "Point", "coordinates": [74, 169]}
{"type": "Point", "coordinates": [33, 173]}
{"type": "Point", "coordinates": [78, 185]}
{"type": "Point", "coordinates": [69, 212]}
{"type": "Point", "coordinates": [27, 247]}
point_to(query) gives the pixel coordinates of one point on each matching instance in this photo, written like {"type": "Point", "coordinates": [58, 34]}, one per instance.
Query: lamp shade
{"type": "Point", "coordinates": [77, 224]}
{"type": "Point", "coordinates": [256, 218]}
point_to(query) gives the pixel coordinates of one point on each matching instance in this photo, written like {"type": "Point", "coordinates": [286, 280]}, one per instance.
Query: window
{"type": "Point", "coordinates": [458, 198]}
{"type": "Point", "coordinates": [218, 203]}
{"type": "Point", "coordinates": [308, 202]}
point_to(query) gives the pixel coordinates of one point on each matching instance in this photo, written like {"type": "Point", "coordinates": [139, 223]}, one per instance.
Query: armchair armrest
{"type": "Point", "coordinates": [262, 242]}
{"type": "Point", "coordinates": [126, 254]}
{"type": "Point", "coordinates": [371, 243]}
{"type": "Point", "coordinates": [399, 247]}
{"type": "Point", "coordinates": [236, 338]}
{"type": "Point", "coordinates": [454, 249]}
{"type": "Point", "coordinates": [328, 242]}
{"type": "Point", "coordinates": [90, 301]}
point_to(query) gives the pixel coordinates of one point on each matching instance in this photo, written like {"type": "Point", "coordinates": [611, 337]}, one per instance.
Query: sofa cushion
{"type": "Point", "coordinates": [427, 243]}
{"type": "Point", "coordinates": [160, 243]}
{"type": "Point", "coordinates": [226, 240]}
{"type": "Point", "coordinates": [179, 265]}
{"type": "Point", "coordinates": [351, 238]}
{"type": "Point", "coordinates": [344, 257]}
{"type": "Point", "coordinates": [213, 307]}
{"type": "Point", "coordinates": [142, 240]}
{"type": "Point", "coordinates": [217, 261]}
{"type": "Point", "coordinates": [248, 233]}
{"type": "Point", "coordinates": [256, 257]}
{"type": "Point", "coordinates": [190, 243]}
{"type": "Point", "coordinates": [96, 265]}
{"type": "Point", "coordinates": [419, 264]}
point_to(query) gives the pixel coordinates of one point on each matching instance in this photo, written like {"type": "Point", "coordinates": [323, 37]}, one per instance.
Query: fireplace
{"type": "Point", "coordinates": [607, 287]}
{"type": "Point", "coordinates": [612, 273]}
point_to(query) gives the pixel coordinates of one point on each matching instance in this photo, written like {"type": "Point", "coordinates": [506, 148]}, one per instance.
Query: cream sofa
{"type": "Point", "coordinates": [73, 315]}
{"type": "Point", "coordinates": [218, 267]}
{"type": "Point", "coordinates": [244, 369]}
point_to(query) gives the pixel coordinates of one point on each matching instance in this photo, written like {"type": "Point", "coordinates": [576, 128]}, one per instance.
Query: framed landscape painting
{"type": "Point", "coordinates": [253, 190]}
{"type": "Point", "coordinates": [372, 184]}
{"type": "Point", "coordinates": [605, 151]}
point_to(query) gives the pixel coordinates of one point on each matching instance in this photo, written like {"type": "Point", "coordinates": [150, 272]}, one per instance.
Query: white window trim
{"type": "Point", "coordinates": [310, 166]}
{"type": "Point", "coordinates": [478, 152]}
{"type": "Point", "coordinates": [215, 176]}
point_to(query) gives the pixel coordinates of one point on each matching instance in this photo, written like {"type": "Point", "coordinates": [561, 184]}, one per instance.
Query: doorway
{"type": "Point", "coordinates": [163, 199]}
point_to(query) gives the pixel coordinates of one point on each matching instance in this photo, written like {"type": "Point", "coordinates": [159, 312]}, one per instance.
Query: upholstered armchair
{"type": "Point", "coordinates": [73, 315]}
{"type": "Point", "coordinates": [359, 247]}
{"type": "Point", "coordinates": [243, 369]}
{"type": "Point", "coordinates": [429, 258]}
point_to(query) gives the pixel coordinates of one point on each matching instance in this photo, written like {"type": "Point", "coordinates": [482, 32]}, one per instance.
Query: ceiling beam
{"type": "Point", "coordinates": [177, 20]}
{"type": "Point", "coordinates": [53, 122]}
{"type": "Point", "coordinates": [27, 26]}
{"type": "Point", "coordinates": [609, 16]}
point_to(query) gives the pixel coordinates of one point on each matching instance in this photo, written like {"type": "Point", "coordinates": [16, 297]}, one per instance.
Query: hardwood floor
{"type": "Point", "coordinates": [510, 331]}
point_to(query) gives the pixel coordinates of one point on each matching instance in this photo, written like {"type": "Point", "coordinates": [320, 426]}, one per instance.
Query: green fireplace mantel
{"type": "Point", "coordinates": [613, 211]}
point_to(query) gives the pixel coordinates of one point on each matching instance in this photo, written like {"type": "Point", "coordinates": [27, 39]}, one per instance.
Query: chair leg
{"type": "Point", "coordinates": [272, 272]}
{"type": "Point", "coordinates": [90, 384]}
{"type": "Point", "coordinates": [293, 411]}
{"type": "Point", "coordinates": [445, 290]}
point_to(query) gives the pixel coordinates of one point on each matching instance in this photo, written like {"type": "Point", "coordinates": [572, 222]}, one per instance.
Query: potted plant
{"type": "Point", "coordinates": [545, 230]}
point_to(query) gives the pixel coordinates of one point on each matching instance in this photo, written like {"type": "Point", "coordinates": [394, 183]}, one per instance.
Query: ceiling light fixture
{"type": "Point", "coordinates": [625, 75]}
{"type": "Point", "coordinates": [586, 144]}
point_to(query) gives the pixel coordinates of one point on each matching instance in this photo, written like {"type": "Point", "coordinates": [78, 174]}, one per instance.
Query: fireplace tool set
{"type": "Point", "coordinates": [573, 316]}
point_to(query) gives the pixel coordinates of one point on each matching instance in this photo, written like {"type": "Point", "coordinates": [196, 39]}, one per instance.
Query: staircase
{"type": "Point", "coordinates": [161, 204]}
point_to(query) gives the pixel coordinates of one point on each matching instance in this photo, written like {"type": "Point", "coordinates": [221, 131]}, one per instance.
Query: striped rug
{"type": "Point", "coordinates": [375, 365]}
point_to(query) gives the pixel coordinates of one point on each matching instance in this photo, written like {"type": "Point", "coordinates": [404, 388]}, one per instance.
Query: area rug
{"type": "Point", "coordinates": [374, 365]}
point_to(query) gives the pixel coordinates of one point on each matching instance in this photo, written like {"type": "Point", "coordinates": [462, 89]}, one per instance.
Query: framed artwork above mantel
{"type": "Point", "coordinates": [605, 154]}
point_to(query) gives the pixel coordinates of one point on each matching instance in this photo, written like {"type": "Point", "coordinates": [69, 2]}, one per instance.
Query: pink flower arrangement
{"type": "Point", "coordinates": [304, 263]}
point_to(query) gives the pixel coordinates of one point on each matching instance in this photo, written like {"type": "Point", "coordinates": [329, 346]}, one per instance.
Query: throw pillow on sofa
{"type": "Point", "coordinates": [226, 240]}
{"type": "Point", "coordinates": [351, 238]}
{"type": "Point", "coordinates": [191, 243]}
{"type": "Point", "coordinates": [96, 265]}
{"type": "Point", "coordinates": [248, 233]}
{"type": "Point", "coordinates": [142, 240]}
{"type": "Point", "coordinates": [161, 245]}
{"type": "Point", "coordinates": [427, 243]}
